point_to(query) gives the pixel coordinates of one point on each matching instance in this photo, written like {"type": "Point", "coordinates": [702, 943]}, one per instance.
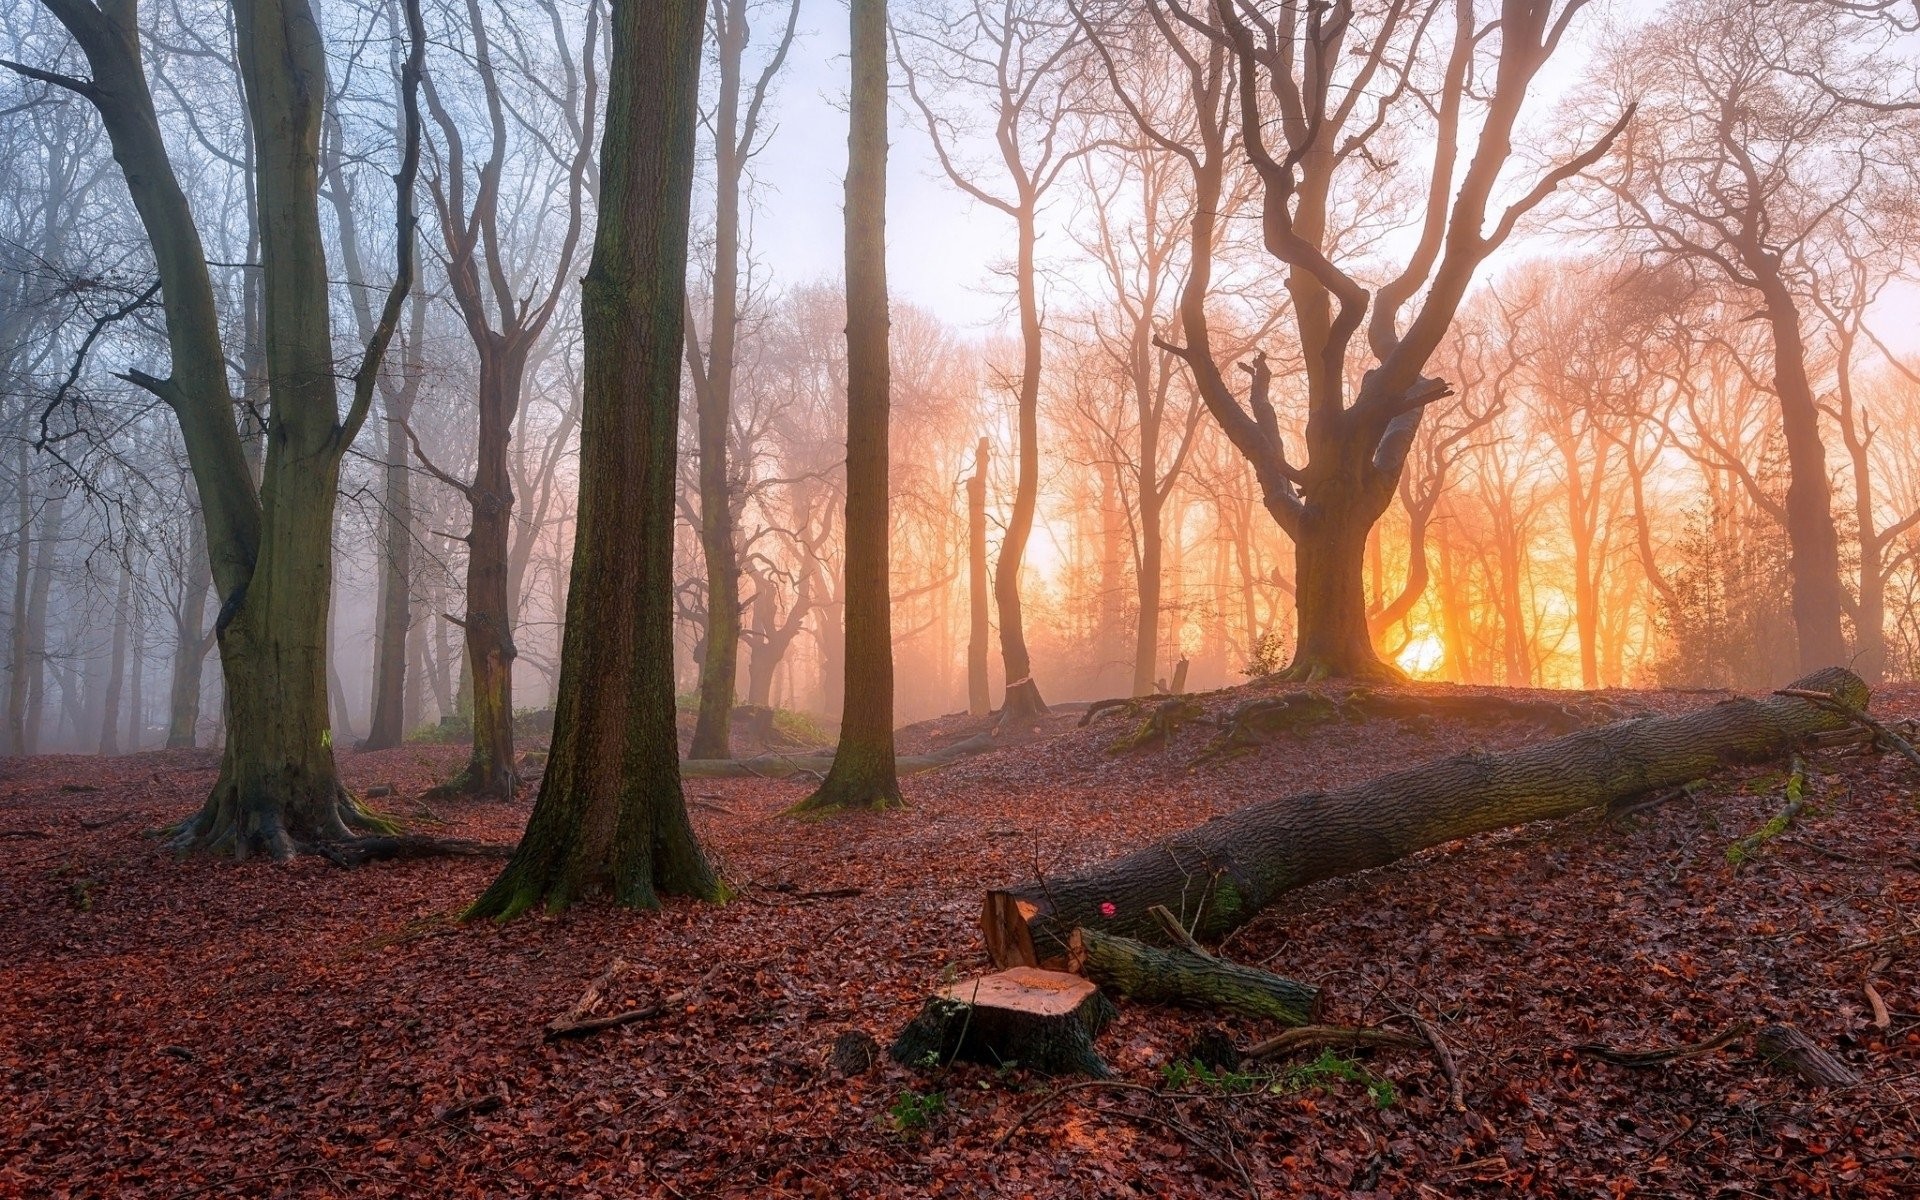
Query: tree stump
{"type": "Point", "coordinates": [1787, 1049]}
{"type": "Point", "coordinates": [1045, 1020]}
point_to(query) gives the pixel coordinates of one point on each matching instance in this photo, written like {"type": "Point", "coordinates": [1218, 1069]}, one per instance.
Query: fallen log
{"type": "Point", "coordinates": [1218, 875]}
{"type": "Point", "coordinates": [1045, 1020]}
{"type": "Point", "coordinates": [1179, 976]}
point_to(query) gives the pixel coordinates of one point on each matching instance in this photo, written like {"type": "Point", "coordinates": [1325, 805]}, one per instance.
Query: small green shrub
{"type": "Point", "coordinates": [1332, 1067]}
{"type": "Point", "coordinates": [912, 1112]}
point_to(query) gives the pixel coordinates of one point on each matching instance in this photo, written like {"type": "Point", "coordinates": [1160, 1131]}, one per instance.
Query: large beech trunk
{"type": "Point", "coordinates": [1217, 876]}
{"type": "Point", "coordinates": [610, 819]}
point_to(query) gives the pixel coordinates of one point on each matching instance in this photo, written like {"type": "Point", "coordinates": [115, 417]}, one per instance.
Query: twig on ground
{"type": "Point", "coordinates": [1880, 730]}
{"type": "Point", "coordinates": [1661, 1057]}
{"type": "Point", "coordinates": [581, 1028]}
{"type": "Point", "coordinates": [1443, 1054]}
{"type": "Point", "coordinates": [1881, 1018]}
{"type": "Point", "coordinates": [1330, 1035]}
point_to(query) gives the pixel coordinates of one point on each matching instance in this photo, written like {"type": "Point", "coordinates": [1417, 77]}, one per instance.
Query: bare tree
{"type": "Point", "coordinates": [1764, 136]}
{"type": "Point", "coordinates": [1022, 57]}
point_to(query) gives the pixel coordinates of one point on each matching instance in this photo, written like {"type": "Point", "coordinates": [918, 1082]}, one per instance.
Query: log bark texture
{"type": "Point", "coordinates": [1174, 976]}
{"type": "Point", "coordinates": [1217, 876]}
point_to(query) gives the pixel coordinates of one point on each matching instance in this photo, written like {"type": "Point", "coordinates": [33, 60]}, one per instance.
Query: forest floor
{"type": "Point", "coordinates": [201, 1029]}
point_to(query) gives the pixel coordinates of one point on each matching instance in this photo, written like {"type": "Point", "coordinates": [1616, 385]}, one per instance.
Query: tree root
{"type": "Point", "coordinates": [1311, 1036]}
{"type": "Point", "coordinates": [356, 852]}
{"type": "Point", "coordinates": [1744, 849]}
{"type": "Point", "coordinates": [1257, 722]}
{"type": "Point", "coordinates": [1161, 724]}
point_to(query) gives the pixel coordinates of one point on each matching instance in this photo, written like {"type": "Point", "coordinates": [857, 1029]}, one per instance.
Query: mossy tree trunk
{"type": "Point", "coordinates": [863, 773]}
{"type": "Point", "coordinates": [270, 546]}
{"type": "Point", "coordinates": [1217, 876]}
{"type": "Point", "coordinates": [611, 819]}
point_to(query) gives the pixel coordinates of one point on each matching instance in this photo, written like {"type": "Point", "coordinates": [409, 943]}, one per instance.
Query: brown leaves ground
{"type": "Point", "coordinates": [175, 1029]}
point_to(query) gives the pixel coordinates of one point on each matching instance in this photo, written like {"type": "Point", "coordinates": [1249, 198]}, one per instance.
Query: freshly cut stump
{"type": "Point", "coordinates": [1026, 1016]}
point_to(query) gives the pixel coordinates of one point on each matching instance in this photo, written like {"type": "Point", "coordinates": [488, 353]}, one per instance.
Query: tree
{"type": "Point", "coordinates": [736, 137]}
{"type": "Point", "coordinates": [1022, 56]}
{"type": "Point", "coordinates": [271, 544]}
{"type": "Point", "coordinates": [863, 774]}
{"type": "Point", "coordinates": [506, 316]}
{"type": "Point", "coordinates": [1765, 136]}
{"type": "Point", "coordinates": [611, 819]}
{"type": "Point", "coordinates": [1320, 91]}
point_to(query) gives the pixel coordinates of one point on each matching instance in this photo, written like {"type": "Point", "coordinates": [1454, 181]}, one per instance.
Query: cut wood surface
{"type": "Point", "coordinates": [1041, 1019]}
{"type": "Point", "coordinates": [1218, 875]}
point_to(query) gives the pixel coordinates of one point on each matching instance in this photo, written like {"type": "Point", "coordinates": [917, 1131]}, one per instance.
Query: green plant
{"type": "Point", "coordinates": [911, 1111]}
{"type": "Point", "coordinates": [1331, 1068]}
{"type": "Point", "coordinates": [1186, 1072]}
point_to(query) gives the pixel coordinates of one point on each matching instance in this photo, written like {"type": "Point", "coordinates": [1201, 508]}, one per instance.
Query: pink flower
{"type": "Point", "coordinates": [1107, 909]}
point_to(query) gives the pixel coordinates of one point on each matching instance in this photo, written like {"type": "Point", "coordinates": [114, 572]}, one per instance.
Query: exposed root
{"type": "Point", "coordinates": [1312, 1036]}
{"type": "Point", "coordinates": [1161, 724]}
{"type": "Point", "coordinates": [1259, 721]}
{"type": "Point", "coordinates": [356, 852]}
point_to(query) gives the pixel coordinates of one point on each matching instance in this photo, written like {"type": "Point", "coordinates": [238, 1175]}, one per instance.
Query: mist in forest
{"type": "Point", "coordinates": [1589, 366]}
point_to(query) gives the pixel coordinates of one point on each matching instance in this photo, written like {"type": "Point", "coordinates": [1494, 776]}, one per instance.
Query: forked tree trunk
{"type": "Point", "coordinates": [611, 819]}
{"type": "Point", "coordinates": [488, 624]}
{"type": "Point", "coordinates": [1217, 876]}
{"type": "Point", "coordinates": [278, 791]}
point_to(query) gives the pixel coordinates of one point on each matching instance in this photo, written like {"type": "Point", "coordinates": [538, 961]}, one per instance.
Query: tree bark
{"type": "Point", "coordinates": [387, 724]}
{"type": "Point", "coordinates": [611, 819]}
{"type": "Point", "coordinates": [979, 700]}
{"type": "Point", "coordinates": [1217, 876]}
{"type": "Point", "coordinates": [191, 642]}
{"type": "Point", "coordinates": [1023, 700]}
{"type": "Point", "coordinates": [863, 773]}
{"type": "Point", "coordinates": [117, 665]}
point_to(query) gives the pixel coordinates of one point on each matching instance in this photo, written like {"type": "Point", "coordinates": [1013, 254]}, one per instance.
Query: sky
{"type": "Point", "coordinates": [942, 246]}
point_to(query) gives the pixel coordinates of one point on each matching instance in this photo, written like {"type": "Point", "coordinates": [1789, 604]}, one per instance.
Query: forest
{"type": "Point", "coordinates": [1029, 598]}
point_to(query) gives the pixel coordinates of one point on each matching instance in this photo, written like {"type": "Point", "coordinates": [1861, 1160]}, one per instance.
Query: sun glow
{"type": "Point", "coordinates": [1423, 655]}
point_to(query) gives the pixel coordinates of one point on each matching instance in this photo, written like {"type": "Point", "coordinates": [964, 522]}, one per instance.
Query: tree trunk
{"type": "Point", "coordinates": [863, 773]}
{"type": "Point", "coordinates": [611, 819]}
{"type": "Point", "coordinates": [136, 681]}
{"type": "Point", "coordinates": [1329, 558]}
{"type": "Point", "coordinates": [191, 641]}
{"type": "Point", "coordinates": [488, 625]}
{"type": "Point", "coordinates": [1023, 700]}
{"type": "Point", "coordinates": [1146, 640]}
{"type": "Point", "coordinates": [714, 405]}
{"type": "Point", "coordinates": [979, 700]}
{"type": "Point", "coordinates": [1217, 876]}
{"type": "Point", "coordinates": [1814, 557]}
{"type": "Point", "coordinates": [45, 562]}
{"type": "Point", "coordinates": [116, 665]}
{"type": "Point", "coordinates": [20, 649]}
{"type": "Point", "coordinates": [387, 724]}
